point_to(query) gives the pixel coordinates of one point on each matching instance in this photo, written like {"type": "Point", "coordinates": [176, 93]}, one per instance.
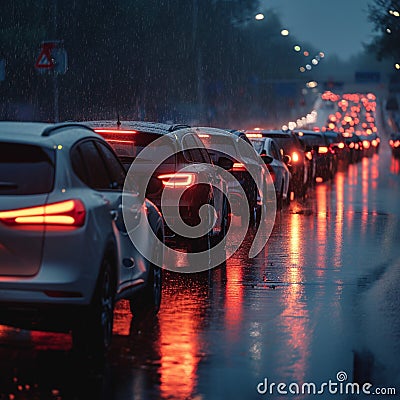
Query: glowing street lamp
{"type": "Point", "coordinates": [284, 32]}
{"type": "Point", "coordinates": [397, 66]}
{"type": "Point", "coordinates": [259, 17]}
{"type": "Point", "coordinates": [297, 48]}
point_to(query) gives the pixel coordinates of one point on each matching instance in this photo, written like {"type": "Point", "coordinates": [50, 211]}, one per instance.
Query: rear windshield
{"type": "Point", "coordinates": [128, 146]}
{"type": "Point", "coordinates": [25, 169]}
{"type": "Point", "coordinates": [313, 140]}
{"type": "Point", "coordinates": [258, 145]}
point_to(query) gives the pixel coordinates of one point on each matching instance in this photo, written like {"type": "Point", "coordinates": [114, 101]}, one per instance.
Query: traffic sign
{"type": "Point", "coordinates": [45, 59]}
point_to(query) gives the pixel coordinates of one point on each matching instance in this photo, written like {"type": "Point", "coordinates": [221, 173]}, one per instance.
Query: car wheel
{"type": "Point", "coordinates": [147, 301]}
{"type": "Point", "coordinates": [93, 332]}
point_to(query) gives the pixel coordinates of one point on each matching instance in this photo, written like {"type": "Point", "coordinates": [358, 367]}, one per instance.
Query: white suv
{"type": "Point", "coordinates": [65, 254]}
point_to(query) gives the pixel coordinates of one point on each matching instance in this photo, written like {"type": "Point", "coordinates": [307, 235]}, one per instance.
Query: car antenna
{"type": "Point", "coordinates": [118, 120]}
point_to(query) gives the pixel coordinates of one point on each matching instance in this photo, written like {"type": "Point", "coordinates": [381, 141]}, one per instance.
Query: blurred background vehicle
{"type": "Point", "coordinates": [296, 161]}
{"type": "Point", "coordinates": [324, 156]}
{"type": "Point", "coordinates": [277, 166]}
{"type": "Point", "coordinates": [236, 146]}
{"type": "Point", "coordinates": [394, 143]}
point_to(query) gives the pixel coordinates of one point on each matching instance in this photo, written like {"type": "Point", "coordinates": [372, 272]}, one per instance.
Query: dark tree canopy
{"type": "Point", "coordinates": [385, 16]}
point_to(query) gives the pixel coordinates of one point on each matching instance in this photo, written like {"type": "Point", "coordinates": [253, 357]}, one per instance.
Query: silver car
{"type": "Point", "coordinates": [66, 257]}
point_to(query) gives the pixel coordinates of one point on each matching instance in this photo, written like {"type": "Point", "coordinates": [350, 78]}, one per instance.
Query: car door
{"type": "Point", "coordinates": [105, 175]}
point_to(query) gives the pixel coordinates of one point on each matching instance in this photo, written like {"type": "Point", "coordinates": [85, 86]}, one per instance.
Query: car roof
{"type": "Point", "coordinates": [140, 126]}
{"type": "Point", "coordinates": [43, 132]}
{"type": "Point", "coordinates": [269, 131]}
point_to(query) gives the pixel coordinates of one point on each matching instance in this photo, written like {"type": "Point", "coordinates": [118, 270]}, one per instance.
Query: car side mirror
{"type": "Point", "coordinates": [225, 163]}
{"type": "Point", "coordinates": [267, 159]}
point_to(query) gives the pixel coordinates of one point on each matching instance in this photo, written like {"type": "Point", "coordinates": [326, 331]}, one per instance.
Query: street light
{"type": "Point", "coordinates": [284, 32]}
{"type": "Point", "coordinates": [259, 17]}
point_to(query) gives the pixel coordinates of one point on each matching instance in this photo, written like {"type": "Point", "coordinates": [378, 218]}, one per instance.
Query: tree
{"type": "Point", "coordinates": [385, 14]}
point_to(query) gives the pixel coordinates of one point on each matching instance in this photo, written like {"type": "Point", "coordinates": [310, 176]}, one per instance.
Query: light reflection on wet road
{"type": "Point", "coordinates": [320, 298]}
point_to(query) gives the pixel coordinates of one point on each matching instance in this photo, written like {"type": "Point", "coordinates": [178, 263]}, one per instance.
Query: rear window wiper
{"type": "Point", "coordinates": [8, 185]}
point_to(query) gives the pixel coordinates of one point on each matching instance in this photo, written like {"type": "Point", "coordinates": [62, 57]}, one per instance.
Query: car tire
{"type": "Point", "coordinates": [147, 302]}
{"type": "Point", "coordinates": [93, 332]}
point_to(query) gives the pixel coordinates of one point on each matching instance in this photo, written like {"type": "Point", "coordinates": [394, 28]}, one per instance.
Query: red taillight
{"type": "Point", "coordinates": [341, 145]}
{"type": "Point", "coordinates": [322, 150]}
{"type": "Point", "coordinates": [308, 154]}
{"type": "Point", "coordinates": [374, 142]}
{"type": "Point", "coordinates": [113, 131]}
{"type": "Point", "coordinates": [237, 166]}
{"type": "Point", "coordinates": [254, 135]}
{"type": "Point", "coordinates": [67, 213]}
{"type": "Point", "coordinates": [366, 144]}
{"type": "Point", "coordinates": [177, 180]}
{"type": "Point", "coordinates": [295, 157]}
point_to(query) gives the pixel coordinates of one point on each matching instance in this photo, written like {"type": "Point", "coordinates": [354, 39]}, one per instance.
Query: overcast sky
{"type": "Point", "coordinates": [332, 26]}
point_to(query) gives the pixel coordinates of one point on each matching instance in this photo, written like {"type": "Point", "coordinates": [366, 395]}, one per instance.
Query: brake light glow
{"type": "Point", "coordinates": [374, 142]}
{"type": "Point", "coordinates": [351, 145]}
{"type": "Point", "coordinates": [341, 145]}
{"type": "Point", "coordinates": [295, 157]}
{"type": "Point", "coordinates": [323, 150]}
{"type": "Point", "coordinates": [237, 166]}
{"type": "Point", "coordinates": [203, 135]}
{"type": "Point", "coordinates": [120, 141]}
{"type": "Point", "coordinates": [254, 135]}
{"type": "Point", "coordinates": [69, 212]}
{"type": "Point", "coordinates": [177, 180]}
{"type": "Point", "coordinates": [366, 144]}
{"type": "Point", "coordinates": [103, 130]}
{"type": "Point", "coordinates": [308, 154]}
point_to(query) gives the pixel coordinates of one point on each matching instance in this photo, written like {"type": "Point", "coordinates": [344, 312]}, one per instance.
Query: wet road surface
{"type": "Point", "coordinates": [321, 298]}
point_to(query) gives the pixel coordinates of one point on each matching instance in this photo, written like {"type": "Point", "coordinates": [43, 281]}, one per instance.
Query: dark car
{"type": "Point", "coordinates": [297, 162]}
{"type": "Point", "coordinates": [355, 145]}
{"type": "Point", "coordinates": [195, 184]}
{"type": "Point", "coordinates": [394, 143]}
{"type": "Point", "coordinates": [243, 157]}
{"type": "Point", "coordinates": [324, 156]}
{"type": "Point", "coordinates": [338, 146]}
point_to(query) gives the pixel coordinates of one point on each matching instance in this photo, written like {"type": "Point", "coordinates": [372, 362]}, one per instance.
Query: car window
{"type": "Point", "coordinates": [192, 152]}
{"type": "Point", "coordinates": [114, 167]}
{"type": "Point", "coordinates": [90, 167]}
{"type": "Point", "coordinates": [258, 145]}
{"type": "Point", "coordinates": [275, 152]}
{"type": "Point", "coordinates": [26, 169]}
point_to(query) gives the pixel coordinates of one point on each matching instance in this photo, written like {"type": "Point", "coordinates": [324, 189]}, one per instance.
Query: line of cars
{"type": "Point", "coordinates": [66, 254]}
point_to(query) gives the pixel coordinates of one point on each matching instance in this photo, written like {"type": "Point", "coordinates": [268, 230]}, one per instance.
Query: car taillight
{"type": "Point", "coordinates": [374, 142]}
{"type": "Point", "coordinates": [366, 144]}
{"type": "Point", "coordinates": [323, 150]}
{"type": "Point", "coordinates": [113, 131]}
{"type": "Point", "coordinates": [295, 157]}
{"type": "Point", "coordinates": [341, 145]}
{"type": "Point", "coordinates": [308, 154]}
{"type": "Point", "coordinates": [237, 166]}
{"type": "Point", "coordinates": [67, 213]}
{"type": "Point", "coordinates": [177, 180]}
